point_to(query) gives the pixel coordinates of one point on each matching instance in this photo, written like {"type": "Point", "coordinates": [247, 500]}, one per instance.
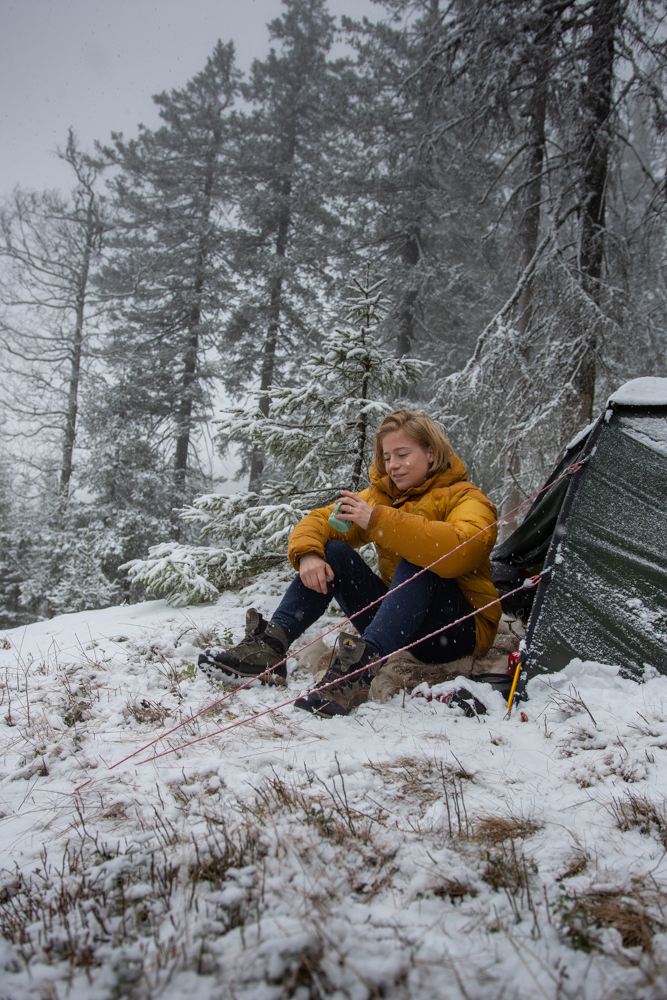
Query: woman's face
{"type": "Point", "coordinates": [407, 463]}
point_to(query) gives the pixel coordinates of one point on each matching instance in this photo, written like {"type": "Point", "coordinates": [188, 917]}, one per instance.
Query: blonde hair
{"type": "Point", "coordinates": [423, 430]}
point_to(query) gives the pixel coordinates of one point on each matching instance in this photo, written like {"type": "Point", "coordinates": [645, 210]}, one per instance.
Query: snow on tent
{"type": "Point", "coordinates": [601, 536]}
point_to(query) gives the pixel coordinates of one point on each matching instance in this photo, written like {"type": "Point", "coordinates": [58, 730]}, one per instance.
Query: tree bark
{"type": "Point", "coordinates": [406, 322]}
{"type": "Point", "coordinates": [191, 356]}
{"type": "Point", "coordinates": [361, 429]}
{"type": "Point", "coordinates": [411, 249]}
{"type": "Point", "coordinates": [69, 434]}
{"type": "Point", "coordinates": [597, 109]}
{"type": "Point", "coordinates": [529, 232]}
{"type": "Point", "coordinates": [275, 309]}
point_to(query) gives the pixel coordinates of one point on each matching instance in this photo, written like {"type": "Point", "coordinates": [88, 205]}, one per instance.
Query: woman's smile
{"type": "Point", "coordinates": [406, 462]}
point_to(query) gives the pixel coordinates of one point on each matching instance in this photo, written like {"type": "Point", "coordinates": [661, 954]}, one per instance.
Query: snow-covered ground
{"type": "Point", "coordinates": [405, 851]}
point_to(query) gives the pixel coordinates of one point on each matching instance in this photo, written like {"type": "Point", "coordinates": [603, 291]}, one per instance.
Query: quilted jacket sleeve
{"type": "Point", "coordinates": [314, 531]}
{"type": "Point", "coordinates": [422, 540]}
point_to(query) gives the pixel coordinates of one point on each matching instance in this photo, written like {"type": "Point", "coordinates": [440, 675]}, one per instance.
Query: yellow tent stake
{"type": "Point", "coordinates": [514, 684]}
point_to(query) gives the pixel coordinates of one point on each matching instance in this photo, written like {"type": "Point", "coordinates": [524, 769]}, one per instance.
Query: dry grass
{"type": "Point", "coordinates": [305, 977]}
{"type": "Point", "coordinates": [73, 912]}
{"type": "Point", "coordinates": [578, 864]}
{"type": "Point", "coordinates": [324, 807]}
{"type": "Point", "coordinates": [635, 811]}
{"type": "Point", "coordinates": [222, 851]}
{"type": "Point", "coordinates": [497, 829]}
{"type": "Point", "coordinates": [425, 781]}
{"type": "Point", "coordinates": [571, 703]}
{"type": "Point", "coordinates": [78, 699]}
{"type": "Point", "coordinates": [636, 913]}
{"type": "Point", "coordinates": [453, 889]}
{"type": "Point", "coordinates": [581, 738]}
{"type": "Point", "coordinates": [410, 778]}
{"type": "Point", "coordinates": [147, 712]}
{"type": "Point", "coordinates": [326, 810]}
{"type": "Point", "coordinates": [508, 868]}
{"type": "Point", "coordinates": [205, 636]}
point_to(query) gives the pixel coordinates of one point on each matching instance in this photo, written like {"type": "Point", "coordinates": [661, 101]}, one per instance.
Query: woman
{"type": "Point", "coordinates": [418, 508]}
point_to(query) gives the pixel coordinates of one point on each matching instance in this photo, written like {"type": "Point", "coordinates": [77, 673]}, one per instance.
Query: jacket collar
{"type": "Point", "coordinates": [455, 472]}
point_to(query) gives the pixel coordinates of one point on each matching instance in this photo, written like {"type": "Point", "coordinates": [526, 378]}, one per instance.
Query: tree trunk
{"type": "Point", "coordinates": [406, 322]}
{"type": "Point", "coordinates": [597, 109]}
{"type": "Point", "coordinates": [411, 250]}
{"type": "Point", "coordinates": [275, 310]}
{"type": "Point", "coordinates": [191, 356]}
{"type": "Point", "coordinates": [530, 222]}
{"type": "Point", "coordinates": [184, 416]}
{"type": "Point", "coordinates": [528, 238]}
{"type": "Point", "coordinates": [361, 429]}
{"type": "Point", "coordinates": [69, 437]}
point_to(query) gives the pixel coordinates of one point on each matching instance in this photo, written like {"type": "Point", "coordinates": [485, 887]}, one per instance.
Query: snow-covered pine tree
{"type": "Point", "coordinates": [318, 438]}
{"type": "Point", "coordinates": [292, 204]}
{"type": "Point", "coordinates": [83, 585]}
{"type": "Point", "coordinates": [575, 128]}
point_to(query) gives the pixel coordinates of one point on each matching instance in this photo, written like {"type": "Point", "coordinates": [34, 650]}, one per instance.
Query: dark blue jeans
{"type": "Point", "coordinates": [419, 608]}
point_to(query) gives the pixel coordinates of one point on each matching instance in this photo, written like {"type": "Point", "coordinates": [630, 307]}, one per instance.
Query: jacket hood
{"type": "Point", "coordinates": [456, 472]}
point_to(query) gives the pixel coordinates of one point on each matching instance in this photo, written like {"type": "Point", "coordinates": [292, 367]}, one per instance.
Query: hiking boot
{"type": "Point", "coordinates": [346, 694]}
{"type": "Point", "coordinates": [264, 645]}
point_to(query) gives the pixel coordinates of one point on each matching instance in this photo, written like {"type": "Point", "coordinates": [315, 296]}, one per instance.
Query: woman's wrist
{"type": "Point", "coordinates": [309, 555]}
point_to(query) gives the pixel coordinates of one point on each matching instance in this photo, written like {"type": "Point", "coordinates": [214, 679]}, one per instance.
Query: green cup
{"type": "Point", "coordinates": [338, 522]}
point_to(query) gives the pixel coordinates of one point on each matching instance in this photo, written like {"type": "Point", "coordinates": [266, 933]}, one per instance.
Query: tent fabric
{"type": "Point", "coordinates": [604, 594]}
{"type": "Point", "coordinates": [527, 546]}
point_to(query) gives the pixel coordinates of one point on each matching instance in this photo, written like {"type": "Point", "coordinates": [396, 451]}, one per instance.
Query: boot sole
{"type": "Point", "coordinates": [218, 669]}
{"type": "Point", "coordinates": [214, 672]}
{"type": "Point", "coordinates": [328, 708]}
{"type": "Point", "coordinates": [319, 707]}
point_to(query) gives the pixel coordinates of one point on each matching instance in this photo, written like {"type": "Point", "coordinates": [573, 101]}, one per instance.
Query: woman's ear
{"type": "Point", "coordinates": [430, 454]}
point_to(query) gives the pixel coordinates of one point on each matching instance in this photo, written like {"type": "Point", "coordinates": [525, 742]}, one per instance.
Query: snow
{"type": "Point", "coordinates": [649, 431]}
{"type": "Point", "coordinates": [296, 857]}
{"type": "Point", "coordinates": [647, 391]}
{"type": "Point", "coordinates": [580, 436]}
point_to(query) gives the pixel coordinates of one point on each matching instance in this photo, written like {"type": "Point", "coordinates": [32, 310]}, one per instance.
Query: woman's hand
{"type": "Point", "coordinates": [353, 508]}
{"type": "Point", "coordinates": [315, 572]}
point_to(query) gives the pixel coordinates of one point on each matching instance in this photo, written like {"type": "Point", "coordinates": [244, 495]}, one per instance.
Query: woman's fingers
{"type": "Point", "coordinates": [315, 575]}
{"type": "Point", "coordinates": [355, 509]}
{"type": "Point", "coordinates": [348, 503]}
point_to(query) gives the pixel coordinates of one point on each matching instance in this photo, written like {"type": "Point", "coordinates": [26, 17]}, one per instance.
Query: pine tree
{"type": "Point", "coordinates": [83, 584]}
{"type": "Point", "coordinates": [573, 327]}
{"type": "Point", "coordinates": [169, 278]}
{"type": "Point", "coordinates": [14, 548]}
{"type": "Point", "coordinates": [290, 210]}
{"type": "Point", "coordinates": [419, 181]}
{"type": "Point", "coordinates": [318, 438]}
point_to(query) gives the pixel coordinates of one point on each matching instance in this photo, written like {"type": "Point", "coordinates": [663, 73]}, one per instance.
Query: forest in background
{"type": "Point", "coordinates": [464, 214]}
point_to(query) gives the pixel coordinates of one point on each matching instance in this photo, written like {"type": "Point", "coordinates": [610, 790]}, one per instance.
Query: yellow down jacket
{"type": "Point", "coordinates": [420, 525]}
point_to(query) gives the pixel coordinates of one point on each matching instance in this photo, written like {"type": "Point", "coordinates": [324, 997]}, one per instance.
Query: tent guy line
{"type": "Point", "coordinates": [570, 471]}
{"type": "Point", "coordinates": [528, 584]}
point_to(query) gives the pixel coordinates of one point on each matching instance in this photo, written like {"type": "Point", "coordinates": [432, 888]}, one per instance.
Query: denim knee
{"type": "Point", "coordinates": [337, 553]}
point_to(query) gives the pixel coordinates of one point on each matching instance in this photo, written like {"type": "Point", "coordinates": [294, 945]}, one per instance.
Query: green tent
{"type": "Point", "coordinates": [600, 535]}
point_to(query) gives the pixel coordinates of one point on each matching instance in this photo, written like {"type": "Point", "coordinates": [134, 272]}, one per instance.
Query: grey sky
{"type": "Point", "coordinates": [94, 64]}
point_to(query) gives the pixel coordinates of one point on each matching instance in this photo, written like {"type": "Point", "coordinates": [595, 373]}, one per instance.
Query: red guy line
{"type": "Point", "coordinates": [571, 469]}
{"type": "Point", "coordinates": [274, 708]}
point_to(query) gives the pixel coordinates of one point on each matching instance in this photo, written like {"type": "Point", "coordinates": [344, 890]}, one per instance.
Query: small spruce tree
{"type": "Point", "coordinates": [318, 438]}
